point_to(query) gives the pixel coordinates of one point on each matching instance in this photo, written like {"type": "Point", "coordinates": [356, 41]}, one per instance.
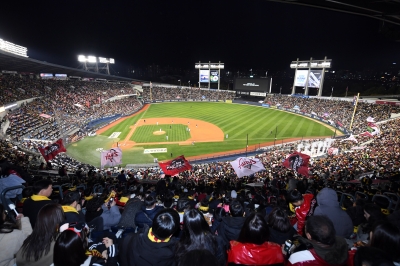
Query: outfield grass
{"type": "Point", "coordinates": [236, 120]}
{"type": "Point", "coordinates": [145, 134]}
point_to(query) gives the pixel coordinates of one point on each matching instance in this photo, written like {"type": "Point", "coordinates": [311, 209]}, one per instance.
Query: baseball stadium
{"type": "Point", "coordinates": [151, 162]}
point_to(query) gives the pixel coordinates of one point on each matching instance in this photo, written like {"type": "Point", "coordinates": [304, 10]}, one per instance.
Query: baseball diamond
{"type": "Point", "coordinates": [196, 129]}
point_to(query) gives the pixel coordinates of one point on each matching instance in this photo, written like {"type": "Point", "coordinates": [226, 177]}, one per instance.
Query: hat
{"type": "Point", "coordinates": [233, 194]}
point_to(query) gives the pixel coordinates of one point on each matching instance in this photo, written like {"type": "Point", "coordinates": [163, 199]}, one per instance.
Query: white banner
{"type": "Point", "coordinates": [111, 157]}
{"type": "Point", "coordinates": [155, 150]}
{"type": "Point", "coordinates": [244, 166]}
{"type": "Point", "coordinates": [263, 94]}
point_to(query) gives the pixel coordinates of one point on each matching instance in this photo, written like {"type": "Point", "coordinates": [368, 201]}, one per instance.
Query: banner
{"type": "Point", "coordinates": [175, 166]}
{"type": "Point", "coordinates": [50, 152]}
{"type": "Point", "coordinates": [244, 166]}
{"type": "Point", "coordinates": [111, 157]}
{"type": "Point", "coordinates": [298, 162]}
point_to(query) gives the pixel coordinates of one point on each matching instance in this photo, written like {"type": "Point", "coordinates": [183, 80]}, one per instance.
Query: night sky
{"type": "Point", "coordinates": [242, 34]}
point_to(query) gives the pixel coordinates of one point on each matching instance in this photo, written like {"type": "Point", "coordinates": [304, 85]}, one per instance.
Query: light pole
{"type": "Point", "coordinates": [280, 90]}
{"type": "Point", "coordinates": [180, 83]}
{"type": "Point", "coordinates": [189, 83]}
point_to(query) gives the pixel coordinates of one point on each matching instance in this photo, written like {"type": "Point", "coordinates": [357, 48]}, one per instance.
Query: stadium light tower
{"type": "Point", "coordinates": [310, 74]}
{"type": "Point", "coordinates": [91, 63]}
{"type": "Point", "coordinates": [209, 72]}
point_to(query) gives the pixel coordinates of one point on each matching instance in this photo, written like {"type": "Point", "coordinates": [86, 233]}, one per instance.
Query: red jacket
{"type": "Point", "coordinates": [302, 211]}
{"type": "Point", "coordinates": [251, 254]}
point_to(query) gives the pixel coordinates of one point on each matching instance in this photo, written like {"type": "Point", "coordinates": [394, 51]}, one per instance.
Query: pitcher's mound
{"type": "Point", "coordinates": [158, 132]}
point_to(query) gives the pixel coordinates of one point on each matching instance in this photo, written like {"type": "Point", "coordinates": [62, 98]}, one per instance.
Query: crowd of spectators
{"type": "Point", "coordinates": [185, 93]}
{"type": "Point", "coordinates": [58, 107]}
{"type": "Point", "coordinates": [206, 216]}
{"type": "Point", "coordinates": [338, 111]}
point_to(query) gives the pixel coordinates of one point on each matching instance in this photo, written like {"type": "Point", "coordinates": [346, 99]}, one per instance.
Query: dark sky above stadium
{"type": "Point", "coordinates": [242, 34]}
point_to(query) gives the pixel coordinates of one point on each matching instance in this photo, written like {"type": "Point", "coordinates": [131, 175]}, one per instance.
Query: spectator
{"type": "Point", "coordinates": [71, 245]}
{"type": "Point", "coordinates": [252, 246]}
{"type": "Point", "coordinates": [328, 205]}
{"type": "Point", "coordinates": [196, 234]}
{"type": "Point", "coordinates": [12, 236]}
{"type": "Point", "coordinates": [122, 177]}
{"type": "Point", "coordinates": [327, 249]}
{"type": "Point", "coordinates": [230, 227]}
{"type": "Point", "coordinates": [111, 215]}
{"type": "Point", "coordinates": [132, 207]}
{"type": "Point", "coordinates": [153, 246]}
{"type": "Point", "coordinates": [279, 226]}
{"type": "Point", "coordinates": [372, 214]}
{"type": "Point", "coordinates": [147, 213]}
{"type": "Point", "coordinates": [42, 189]}
{"type": "Point", "coordinates": [304, 205]}
{"type": "Point", "coordinates": [372, 257]}
{"type": "Point", "coordinates": [37, 249]}
{"type": "Point", "coordinates": [386, 237]}
{"type": "Point", "coordinates": [72, 208]}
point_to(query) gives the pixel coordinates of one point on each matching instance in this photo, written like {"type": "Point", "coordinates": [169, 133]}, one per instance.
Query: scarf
{"type": "Point", "coordinates": [88, 197]}
{"type": "Point", "coordinates": [67, 208]}
{"type": "Point", "coordinates": [39, 198]}
{"type": "Point", "coordinates": [153, 238]}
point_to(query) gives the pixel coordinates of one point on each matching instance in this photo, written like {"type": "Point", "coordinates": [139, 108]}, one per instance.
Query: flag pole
{"type": "Point", "coordinates": [354, 112]}
{"type": "Point", "coordinates": [247, 143]}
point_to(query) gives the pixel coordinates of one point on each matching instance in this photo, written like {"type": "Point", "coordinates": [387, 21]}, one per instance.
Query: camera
{"type": "Point", "coordinates": [288, 245]}
{"type": "Point", "coordinates": [110, 201]}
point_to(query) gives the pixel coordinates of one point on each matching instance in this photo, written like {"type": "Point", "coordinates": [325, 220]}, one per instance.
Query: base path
{"type": "Point", "coordinates": [101, 130]}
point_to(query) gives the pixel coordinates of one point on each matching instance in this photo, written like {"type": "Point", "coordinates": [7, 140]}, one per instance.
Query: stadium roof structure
{"type": "Point", "coordinates": [384, 10]}
{"type": "Point", "coordinates": [11, 62]}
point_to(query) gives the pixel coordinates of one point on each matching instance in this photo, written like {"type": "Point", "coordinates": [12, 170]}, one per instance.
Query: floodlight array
{"type": "Point", "coordinates": [93, 59]}
{"type": "Point", "coordinates": [13, 48]}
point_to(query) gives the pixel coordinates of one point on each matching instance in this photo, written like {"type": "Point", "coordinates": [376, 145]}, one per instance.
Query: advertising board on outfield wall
{"type": "Point", "coordinates": [155, 150]}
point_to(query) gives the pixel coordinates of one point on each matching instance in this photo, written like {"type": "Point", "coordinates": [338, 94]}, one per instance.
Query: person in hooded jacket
{"type": "Point", "coordinates": [153, 246]}
{"type": "Point", "coordinates": [230, 227]}
{"type": "Point", "coordinates": [146, 215]}
{"type": "Point", "coordinates": [328, 205]}
{"type": "Point", "coordinates": [324, 247]}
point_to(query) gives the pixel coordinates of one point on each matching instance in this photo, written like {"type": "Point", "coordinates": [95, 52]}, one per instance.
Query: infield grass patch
{"type": "Point", "coordinates": [148, 133]}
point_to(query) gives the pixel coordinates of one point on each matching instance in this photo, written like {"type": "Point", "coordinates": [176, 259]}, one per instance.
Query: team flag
{"type": "Point", "coordinates": [372, 128]}
{"type": "Point", "coordinates": [111, 157]}
{"type": "Point", "coordinates": [351, 138]}
{"type": "Point", "coordinates": [244, 166]}
{"type": "Point", "coordinates": [298, 162]}
{"type": "Point", "coordinates": [175, 166]}
{"type": "Point", "coordinates": [50, 152]}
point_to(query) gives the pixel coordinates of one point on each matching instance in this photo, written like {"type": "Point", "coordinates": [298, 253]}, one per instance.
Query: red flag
{"type": "Point", "coordinates": [50, 152]}
{"type": "Point", "coordinates": [298, 162]}
{"type": "Point", "coordinates": [175, 166]}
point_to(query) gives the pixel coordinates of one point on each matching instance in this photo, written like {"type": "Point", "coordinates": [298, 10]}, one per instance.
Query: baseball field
{"type": "Point", "coordinates": [195, 129]}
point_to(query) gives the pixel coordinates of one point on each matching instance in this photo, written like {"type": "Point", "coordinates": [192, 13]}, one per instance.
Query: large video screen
{"type": "Point", "coordinates": [214, 76]}
{"type": "Point", "coordinates": [314, 80]}
{"type": "Point", "coordinates": [251, 84]}
{"type": "Point", "coordinates": [204, 75]}
{"type": "Point", "coordinates": [301, 77]}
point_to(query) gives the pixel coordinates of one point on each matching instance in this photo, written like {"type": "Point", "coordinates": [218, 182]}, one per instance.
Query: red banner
{"type": "Point", "coordinates": [175, 166]}
{"type": "Point", "coordinates": [298, 162]}
{"type": "Point", "coordinates": [50, 152]}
